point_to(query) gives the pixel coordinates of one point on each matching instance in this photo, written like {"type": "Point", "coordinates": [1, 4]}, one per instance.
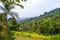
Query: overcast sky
{"type": "Point", "coordinates": [37, 7]}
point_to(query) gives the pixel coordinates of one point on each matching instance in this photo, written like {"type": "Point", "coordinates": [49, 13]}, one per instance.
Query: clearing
{"type": "Point", "coordinates": [25, 38]}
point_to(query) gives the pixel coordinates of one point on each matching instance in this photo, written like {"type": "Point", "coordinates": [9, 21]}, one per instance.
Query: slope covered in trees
{"type": "Point", "coordinates": [48, 23]}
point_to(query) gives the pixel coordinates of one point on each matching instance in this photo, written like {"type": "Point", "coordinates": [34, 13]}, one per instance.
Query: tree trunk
{"type": "Point", "coordinates": [7, 28]}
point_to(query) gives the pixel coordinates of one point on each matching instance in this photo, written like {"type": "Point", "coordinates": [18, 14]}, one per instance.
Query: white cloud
{"type": "Point", "coordinates": [37, 7]}
{"type": "Point", "coordinates": [29, 7]}
{"type": "Point", "coordinates": [32, 2]}
{"type": "Point", "coordinates": [57, 5]}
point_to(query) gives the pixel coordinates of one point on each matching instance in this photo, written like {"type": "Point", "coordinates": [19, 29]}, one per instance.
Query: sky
{"type": "Point", "coordinates": [33, 8]}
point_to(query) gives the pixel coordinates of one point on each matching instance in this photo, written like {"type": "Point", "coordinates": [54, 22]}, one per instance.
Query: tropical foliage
{"type": "Point", "coordinates": [49, 23]}
{"type": "Point", "coordinates": [7, 6]}
{"type": "Point", "coordinates": [45, 27]}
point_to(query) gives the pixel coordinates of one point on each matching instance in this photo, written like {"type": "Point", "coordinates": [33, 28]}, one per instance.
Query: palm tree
{"type": "Point", "coordinates": [8, 5]}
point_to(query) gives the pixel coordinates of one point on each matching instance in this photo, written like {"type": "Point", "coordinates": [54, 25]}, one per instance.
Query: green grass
{"type": "Point", "coordinates": [35, 35]}
{"type": "Point", "coordinates": [55, 37]}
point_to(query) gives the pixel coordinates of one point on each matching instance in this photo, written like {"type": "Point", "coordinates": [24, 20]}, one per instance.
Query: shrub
{"type": "Point", "coordinates": [3, 36]}
{"type": "Point", "coordinates": [55, 37]}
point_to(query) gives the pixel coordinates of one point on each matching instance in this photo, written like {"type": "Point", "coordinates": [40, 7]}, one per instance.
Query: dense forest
{"type": "Point", "coordinates": [46, 24]}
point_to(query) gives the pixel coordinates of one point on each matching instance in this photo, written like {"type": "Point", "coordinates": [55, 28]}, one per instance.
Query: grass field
{"type": "Point", "coordinates": [33, 36]}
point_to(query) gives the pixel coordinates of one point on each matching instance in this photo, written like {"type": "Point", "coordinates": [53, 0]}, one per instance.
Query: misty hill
{"type": "Point", "coordinates": [51, 14]}
{"type": "Point", "coordinates": [46, 14]}
{"type": "Point", "coordinates": [48, 23]}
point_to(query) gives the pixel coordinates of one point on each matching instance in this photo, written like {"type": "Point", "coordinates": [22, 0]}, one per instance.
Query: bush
{"type": "Point", "coordinates": [55, 37]}
{"type": "Point", "coordinates": [9, 37]}
{"type": "Point", "coordinates": [3, 36]}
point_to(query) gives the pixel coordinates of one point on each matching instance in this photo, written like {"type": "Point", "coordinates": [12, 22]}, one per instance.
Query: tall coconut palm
{"type": "Point", "coordinates": [8, 5]}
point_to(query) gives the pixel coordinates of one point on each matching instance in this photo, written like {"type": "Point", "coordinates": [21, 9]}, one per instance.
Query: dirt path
{"type": "Point", "coordinates": [24, 38]}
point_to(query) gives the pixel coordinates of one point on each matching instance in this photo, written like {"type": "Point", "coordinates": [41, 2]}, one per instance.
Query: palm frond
{"type": "Point", "coordinates": [20, 5]}
{"type": "Point", "coordinates": [24, 0]}
{"type": "Point", "coordinates": [15, 14]}
{"type": "Point", "coordinates": [1, 8]}
{"type": "Point", "coordinates": [2, 0]}
{"type": "Point", "coordinates": [11, 7]}
{"type": "Point", "coordinates": [20, 1]}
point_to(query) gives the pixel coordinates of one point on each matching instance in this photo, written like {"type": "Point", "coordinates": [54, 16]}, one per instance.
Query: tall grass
{"type": "Point", "coordinates": [35, 35]}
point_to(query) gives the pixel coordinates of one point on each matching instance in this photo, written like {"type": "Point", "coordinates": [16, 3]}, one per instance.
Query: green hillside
{"type": "Point", "coordinates": [48, 23]}
{"type": "Point", "coordinates": [43, 27]}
